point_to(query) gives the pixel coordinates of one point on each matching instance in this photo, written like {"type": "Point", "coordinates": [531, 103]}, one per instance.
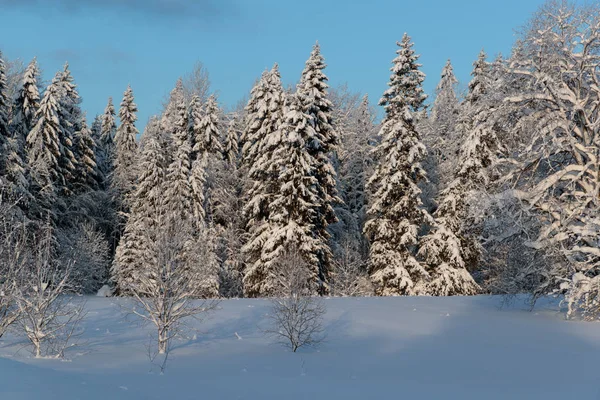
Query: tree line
{"type": "Point", "coordinates": [494, 190]}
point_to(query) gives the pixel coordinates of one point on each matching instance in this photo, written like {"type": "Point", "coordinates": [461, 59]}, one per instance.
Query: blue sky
{"type": "Point", "coordinates": [150, 43]}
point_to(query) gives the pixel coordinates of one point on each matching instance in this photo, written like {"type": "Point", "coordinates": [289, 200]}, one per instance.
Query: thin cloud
{"type": "Point", "coordinates": [205, 9]}
{"type": "Point", "coordinates": [116, 56]}
{"type": "Point", "coordinates": [63, 55]}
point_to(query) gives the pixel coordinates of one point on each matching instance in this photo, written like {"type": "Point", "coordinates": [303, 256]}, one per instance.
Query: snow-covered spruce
{"type": "Point", "coordinates": [44, 147]}
{"type": "Point", "coordinates": [125, 173]}
{"type": "Point", "coordinates": [290, 223]}
{"type": "Point", "coordinates": [231, 150]}
{"type": "Point", "coordinates": [207, 129]}
{"type": "Point", "coordinates": [147, 204]}
{"type": "Point", "coordinates": [321, 147]}
{"type": "Point", "coordinates": [263, 138]}
{"type": "Point", "coordinates": [106, 144]}
{"type": "Point", "coordinates": [396, 213]}
{"type": "Point", "coordinates": [441, 137]}
{"type": "Point", "coordinates": [263, 116]}
{"type": "Point", "coordinates": [178, 191]}
{"type": "Point", "coordinates": [24, 111]}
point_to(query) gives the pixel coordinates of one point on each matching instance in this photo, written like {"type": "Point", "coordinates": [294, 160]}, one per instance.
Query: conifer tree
{"type": "Point", "coordinates": [147, 205]}
{"type": "Point", "coordinates": [26, 104]}
{"type": "Point", "coordinates": [13, 180]}
{"type": "Point", "coordinates": [125, 170]}
{"type": "Point", "coordinates": [232, 143]}
{"type": "Point", "coordinates": [396, 213]}
{"type": "Point", "coordinates": [96, 128]}
{"type": "Point", "coordinates": [169, 118]}
{"type": "Point", "coordinates": [445, 105]}
{"type": "Point", "coordinates": [441, 137]}
{"type": "Point", "coordinates": [24, 111]}
{"type": "Point", "coordinates": [171, 114]}
{"type": "Point", "coordinates": [263, 115]}
{"type": "Point", "coordinates": [313, 87]}
{"type": "Point", "coordinates": [178, 192]}
{"type": "Point", "coordinates": [477, 153]}
{"type": "Point", "coordinates": [198, 180]}
{"type": "Point", "coordinates": [263, 137]}
{"type": "Point", "coordinates": [72, 121]}
{"type": "Point", "coordinates": [207, 130]}
{"type": "Point", "coordinates": [290, 223]}
{"type": "Point", "coordinates": [356, 159]}
{"type": "Point", "coordinates": [87, 168]}
{"type": "Point", "coordinates": [106, 143]}
{"type": "Point", "coordinates": [44, 147]}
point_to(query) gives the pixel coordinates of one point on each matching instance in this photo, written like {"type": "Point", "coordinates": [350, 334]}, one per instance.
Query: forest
{"type": "Point", "coordinates": [492, 191]}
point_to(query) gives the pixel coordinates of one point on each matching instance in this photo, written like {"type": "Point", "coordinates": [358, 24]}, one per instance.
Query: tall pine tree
{"type": "Point", "coordinates": [263, 137]}
{"type": "Point", "coordinates": [44, 148]}
{"type": "Point", "coordinates": [24, 111]}
{"type": "Point", "coordinates": [147, 204]}
{"type": "Point", "coordinates": [321, 147]}
{"type": "Point", "coordinates": [396, 213]}
{"type": "Point", "coordinates": [178, 192]}
{"type": "Point", "coordinates": [106, 143]}
{"type": "Point", "coordinates": [207, 129]}
{"type": "Point", "coordinates": [125, 170]}
{"type": "Point", "coordinates": [290, 227]}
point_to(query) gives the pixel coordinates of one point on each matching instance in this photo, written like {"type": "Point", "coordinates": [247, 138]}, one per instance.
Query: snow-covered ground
{"type": "Point", "coordinates": [377, 348]}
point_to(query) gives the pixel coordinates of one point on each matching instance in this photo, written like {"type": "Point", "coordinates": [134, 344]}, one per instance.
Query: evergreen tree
{"type": "Point", "coordinates": [290, 223]}
{"type": "Point", "coordinates": [263, 115]}
{"type": "Point", "coordinates": [442, 252]}
{"type": "Point", "coordinates": [207, 130]}
{"type": "Point", "coordinates": [445, 104]}
{"type": "Point", "coordinates": [232, 143]}
{"type": "Point", "coordinates": [26, 104]}
{"type": "Point", "coordinates": [170, 116]}
{"type": "Point", "coordinates": [442, 140]}
{"type": "Point", "coordinates": [87, 169]}
{"type": "Point", "coordinates": [106, 143]}
{"type": "Point", "coordinates": [480, 82]}
{"type": "Point", "coordinates": [178, 193]}
{"type": "Point", "coordinates": [263, 137]}
{"type": "Point", "coordinates": [313, 87]}
{"type": "Point", "coordinates": [355, 167]}
{"type": "Point", "coordinates": [198, 180]}
{"type": "Point", "coordinates": [147, 205]}
{"type": "Point", "coordinates": [72, 121]}
{"type": "Point", "coordinates": [96, 129]}
{"type": "Point", "coordinates": [44, 147]}
{"type": "Point", "coordinates": [396, 213]}
{"type": "Point", "coordinates": [356, 159]}
{"type": "Point", "coordinates": [125, 170]}
{"type": "Point", "coordinates": [477, 153]}
{"type": "Point", "coordinates": [24, 111]}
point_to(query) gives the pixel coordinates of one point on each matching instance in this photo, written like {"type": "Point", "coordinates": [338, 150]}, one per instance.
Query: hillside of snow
{"type": "Point", "coordinates": [380, 348]}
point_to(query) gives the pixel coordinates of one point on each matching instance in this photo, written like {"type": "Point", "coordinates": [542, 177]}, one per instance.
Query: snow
{"type": "Point", "coordinates": [403, 347]}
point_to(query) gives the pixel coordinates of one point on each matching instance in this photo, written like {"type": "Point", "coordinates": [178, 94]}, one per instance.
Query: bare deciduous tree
{"type": "Point", "coordinates": [12, 251]}
{"type": "Point", "coordinates": [50, 315]}
{"type": "Point", "coordinates": [196, 83]}
{"type": "Point", "coordinates": [350, 276]}
{"type": "Point", "coordinates": [166, 294]}
{"type": "Point", "coordinates": [296, 318]}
